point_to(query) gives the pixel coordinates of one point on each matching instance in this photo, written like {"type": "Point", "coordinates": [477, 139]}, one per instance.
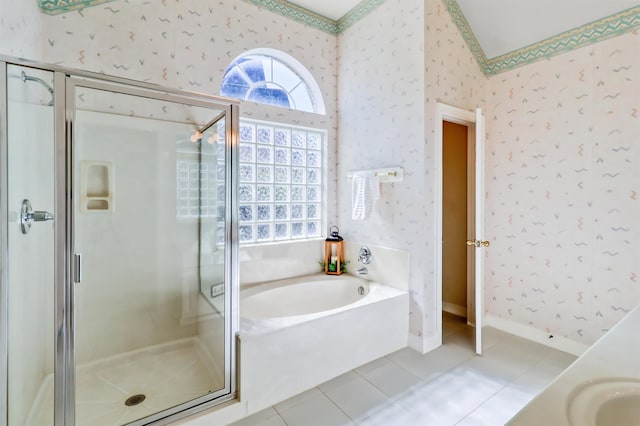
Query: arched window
{"type": "Point", "coordinates": [269, 76]}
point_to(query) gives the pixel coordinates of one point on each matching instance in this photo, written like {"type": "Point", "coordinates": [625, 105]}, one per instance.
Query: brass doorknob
{"type": "Point", "coordinates": [476, 243]}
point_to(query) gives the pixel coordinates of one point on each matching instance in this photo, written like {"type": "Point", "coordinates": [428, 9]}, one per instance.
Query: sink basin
{"type": "Point", "coordinates": [605, 402]}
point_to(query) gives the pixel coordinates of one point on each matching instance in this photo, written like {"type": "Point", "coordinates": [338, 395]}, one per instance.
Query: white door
{"type": "Point", "coordinates": [480, 243]}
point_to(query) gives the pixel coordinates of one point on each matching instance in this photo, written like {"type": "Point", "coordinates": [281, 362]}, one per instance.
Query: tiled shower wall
{"type": "Point", "coordinates": [563, 189]}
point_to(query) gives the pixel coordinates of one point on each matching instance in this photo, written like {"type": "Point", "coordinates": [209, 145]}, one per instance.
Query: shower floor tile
{"type": "Point", "coordinates": [167, 375]}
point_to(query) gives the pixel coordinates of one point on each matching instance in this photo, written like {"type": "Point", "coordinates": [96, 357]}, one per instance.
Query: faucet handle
{"type": "Point", "coordinates": [364, 255]}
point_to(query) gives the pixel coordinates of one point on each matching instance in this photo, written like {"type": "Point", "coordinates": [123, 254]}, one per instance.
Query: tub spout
{"type": "Point", "coordinates": [362, 271]}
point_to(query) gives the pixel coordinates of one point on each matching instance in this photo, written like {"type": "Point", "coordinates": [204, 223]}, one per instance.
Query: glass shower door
{"type": "Point", "coordinates": [151, 217]}
{"type": "Point", "coordinates": [28, 262]}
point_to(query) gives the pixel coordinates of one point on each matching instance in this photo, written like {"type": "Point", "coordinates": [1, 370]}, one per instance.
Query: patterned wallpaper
{"type": "Point", "coordinates": [20, 29]}
{"type": "Point", "coordinates": [389, 87]}
{"type": "Point", "coordinates": [381, 124]}
{"type": "Point", "coordinates": [561, 180]}
{"type": "Point", "coordinates": [563, 188]}
{"type": "Point", "coordinates": [185, 44]}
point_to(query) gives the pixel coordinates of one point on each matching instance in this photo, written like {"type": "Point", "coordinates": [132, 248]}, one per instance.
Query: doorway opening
{"type": "Point", "coordinates": [457, 228]}
{"type": "Point", "coordinates": [459, 222]}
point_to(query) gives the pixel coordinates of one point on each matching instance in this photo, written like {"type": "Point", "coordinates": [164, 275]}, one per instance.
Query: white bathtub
{"type": "Point", "coordinates": [301, 296]}
{"type": "Point", "coordinates": [298, 333]}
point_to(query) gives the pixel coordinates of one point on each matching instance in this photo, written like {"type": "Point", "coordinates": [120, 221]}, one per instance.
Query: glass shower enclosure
{"type": "Point", "coordinates": [118, 284]}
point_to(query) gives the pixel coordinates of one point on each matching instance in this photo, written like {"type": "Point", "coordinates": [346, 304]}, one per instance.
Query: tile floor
{"type": "Point", "coordinates": [448, 386]}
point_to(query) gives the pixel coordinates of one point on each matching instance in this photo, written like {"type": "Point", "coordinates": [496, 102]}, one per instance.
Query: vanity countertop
{"type": "Point", "coordinates": [615, 355]}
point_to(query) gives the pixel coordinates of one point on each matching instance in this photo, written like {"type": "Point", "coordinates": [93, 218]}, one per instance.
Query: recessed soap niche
{"type": "Point", "coordinates": [96, 186]}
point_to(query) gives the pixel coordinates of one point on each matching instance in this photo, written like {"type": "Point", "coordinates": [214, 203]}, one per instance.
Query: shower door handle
{"type": "Point", "coordinates": [40, 216]}
{"type": "Point", "coordinates": [77, 268]}
{"type": "Point", "coordinates": [28, 216]}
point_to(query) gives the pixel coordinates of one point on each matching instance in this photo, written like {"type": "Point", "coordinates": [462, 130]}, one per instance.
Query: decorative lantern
{"type": "Point", "coordinates": [333, 252]}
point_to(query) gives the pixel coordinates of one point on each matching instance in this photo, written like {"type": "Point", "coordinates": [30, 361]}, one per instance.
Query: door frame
{"type": "Point", "coordinates": [445, 112]}
{"type": "Point", "coordinates": [4, 249]}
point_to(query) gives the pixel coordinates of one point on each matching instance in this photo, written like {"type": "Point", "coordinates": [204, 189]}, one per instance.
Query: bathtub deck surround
{"type": "Point", "coordinates": [286, 354]}
{"type": "Point", "coordinates": [290, 352]}
{"type": "Point", "coordinates": [263, 262]}
{"type": "Point", "coordinates": [386, 265]}
{"type": "Point", "coordinates": [365, 256]}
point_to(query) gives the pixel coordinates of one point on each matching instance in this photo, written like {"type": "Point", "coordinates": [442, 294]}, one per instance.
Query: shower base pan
{"type": "Point", "coordinates": [126, 387]}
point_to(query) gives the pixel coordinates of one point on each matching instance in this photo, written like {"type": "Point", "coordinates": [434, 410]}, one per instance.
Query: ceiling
{"type": "Point", "coordinates": [502, 26]}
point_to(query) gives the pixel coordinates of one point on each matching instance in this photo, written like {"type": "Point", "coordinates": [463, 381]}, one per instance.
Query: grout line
{"type": "Point", "coordinates": [335, 404]}
{"type": "Point", "coordinates": [278, 415]}
{"type": "Point", "coordinates": [392, 399]}
{"type": "Point", "coordinates": [389, 402]}
{"type": "Point", "coordinates": [509, 383]}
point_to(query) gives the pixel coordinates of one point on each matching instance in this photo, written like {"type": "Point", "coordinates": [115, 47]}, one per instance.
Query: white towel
{"type": "Point", "coordinates": [365, 191]}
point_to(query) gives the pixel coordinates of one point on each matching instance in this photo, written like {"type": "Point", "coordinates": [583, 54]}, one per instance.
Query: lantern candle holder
{"type": "Point", "coordinates": [333, 252]}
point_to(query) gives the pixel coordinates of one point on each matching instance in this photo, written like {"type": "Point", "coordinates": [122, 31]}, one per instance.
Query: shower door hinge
{"type": "Point", "coordinates": [77, 268]}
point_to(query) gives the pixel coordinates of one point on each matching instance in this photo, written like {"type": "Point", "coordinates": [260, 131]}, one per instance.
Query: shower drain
{"type": "Point", "coordinates": [134, 400]}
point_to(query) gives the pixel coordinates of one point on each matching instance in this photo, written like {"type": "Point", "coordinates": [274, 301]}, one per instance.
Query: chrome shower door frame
{"type": "Point", "coordinates": [67, 319]}
{"type": "Point", "coordinates": [4, 249]}
{"type": "Point", "coordinates": [65, 83]}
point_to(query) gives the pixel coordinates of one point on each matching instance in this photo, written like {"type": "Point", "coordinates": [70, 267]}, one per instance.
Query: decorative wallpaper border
{"type": "Point", "coordinates": [53, 7]}
{"type": "Point", "coordinates": [358, 12]}
{"type": "Point", "coordinates": [465, 30]}
{"type": "Point", "coordinates": [281, 7]}
{"type": "Point", "coordinates": [298, 13]}
{"type": "Point", "coordinates": [590, 33]}
{"type": "Point", "coordinates": [315, 20]}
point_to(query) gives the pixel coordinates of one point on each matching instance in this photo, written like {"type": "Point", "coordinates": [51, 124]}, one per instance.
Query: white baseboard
{"type": "Point", "coordinates": [536, 335]}
{"type": "Point", "coordinates": [457, 310]}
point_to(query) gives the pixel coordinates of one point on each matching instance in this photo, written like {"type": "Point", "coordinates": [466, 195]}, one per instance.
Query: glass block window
{"type": "Point", "coordinates": [272, 77]}
{"type": "Point", "coordinates": [281, 174]}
